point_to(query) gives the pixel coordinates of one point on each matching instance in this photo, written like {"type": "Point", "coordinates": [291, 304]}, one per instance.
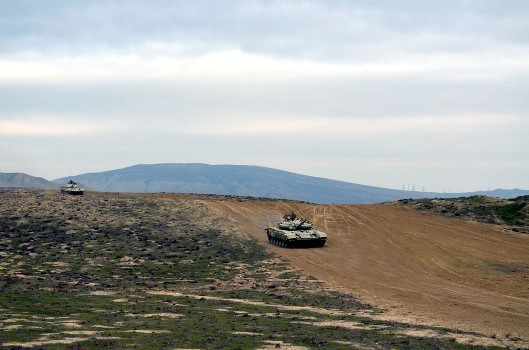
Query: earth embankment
{"type": "Point", "coordinates": [417, 266]}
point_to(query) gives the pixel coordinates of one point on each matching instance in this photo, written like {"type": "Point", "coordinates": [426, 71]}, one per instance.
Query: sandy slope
{"type": "Point", "coordinates": [420, 267]}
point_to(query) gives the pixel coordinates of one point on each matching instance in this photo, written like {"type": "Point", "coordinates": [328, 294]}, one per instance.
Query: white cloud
{"type": "Point", "coordinates": [46, 126]}
{"type": "Point", "coordinates": [235, 65]}
{"type": "Point", "coordinates": [356, 127]}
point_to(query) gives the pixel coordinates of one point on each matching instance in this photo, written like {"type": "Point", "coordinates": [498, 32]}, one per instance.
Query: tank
{"type": "Point", "coordinates": [72, 188]}
{"type": "Point", "coordinates": [295, 232]}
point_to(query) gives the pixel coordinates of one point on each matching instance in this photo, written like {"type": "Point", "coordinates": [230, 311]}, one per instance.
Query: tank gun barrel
{"type": "Point", "coordinates": [300, 223]}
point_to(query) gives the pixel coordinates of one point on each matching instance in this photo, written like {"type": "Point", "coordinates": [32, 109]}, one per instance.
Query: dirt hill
{"type": "Point", "coordinates": [419, 266]}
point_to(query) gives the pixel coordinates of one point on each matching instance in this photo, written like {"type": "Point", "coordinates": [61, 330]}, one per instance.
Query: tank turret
{"type": "Point", "coordinates": [294, 231]}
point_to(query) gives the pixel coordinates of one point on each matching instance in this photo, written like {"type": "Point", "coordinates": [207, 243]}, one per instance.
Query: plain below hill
{"type": "Point", "coordinates": [22, 180]}
{"type": "Point", "coordinates": [243, 180]}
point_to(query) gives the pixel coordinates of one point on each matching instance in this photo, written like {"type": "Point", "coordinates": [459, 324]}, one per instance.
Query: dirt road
{"type": "Point", "coordinates": [419, 267]}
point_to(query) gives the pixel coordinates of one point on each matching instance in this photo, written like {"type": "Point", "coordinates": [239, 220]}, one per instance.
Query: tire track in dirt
{"type": "Point", "coordinates": [420, 267]}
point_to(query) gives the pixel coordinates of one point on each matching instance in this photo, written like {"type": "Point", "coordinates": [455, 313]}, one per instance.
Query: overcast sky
{"type": "Point", "coordinates": [390, 93]}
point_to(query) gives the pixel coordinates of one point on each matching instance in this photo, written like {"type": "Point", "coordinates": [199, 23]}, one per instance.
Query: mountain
{"type": "Point", "coordinates": [25, 181]}
{"type": "Point", "coordinates": [240, 180]}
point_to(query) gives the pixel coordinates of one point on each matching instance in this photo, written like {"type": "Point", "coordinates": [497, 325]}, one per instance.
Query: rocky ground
{"type": "Point", "coordinates": [115, 271]}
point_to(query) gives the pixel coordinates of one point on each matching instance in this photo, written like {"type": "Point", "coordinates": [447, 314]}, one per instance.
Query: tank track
{"type": "Point", "coordinates": [292, 244]}
{"type": "Point", "coordinates": [280, 242]}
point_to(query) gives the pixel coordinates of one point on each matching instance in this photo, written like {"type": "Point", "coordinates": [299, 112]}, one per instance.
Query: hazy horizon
{"type": "Point", "coordinates": [405, 187]}
{"type": "Point", "coordinates": [375, 93]}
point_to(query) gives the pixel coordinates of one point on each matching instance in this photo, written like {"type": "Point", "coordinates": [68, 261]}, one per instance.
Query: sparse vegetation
{"type": "Point", "coordinates": [512, 213]}
{"type": "Point", "coordinates": [107, 271]}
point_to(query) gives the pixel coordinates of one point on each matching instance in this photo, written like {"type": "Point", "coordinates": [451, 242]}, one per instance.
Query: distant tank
{"type": "Point", "coordinates": [295, 232]}
{"type": "Point", "coordinates": [72, 188]}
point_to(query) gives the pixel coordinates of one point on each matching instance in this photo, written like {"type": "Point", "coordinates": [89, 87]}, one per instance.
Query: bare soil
{"type": "Point", "coordinates": [128, 268]}
{"type": "Point", "coordinates": [419, 267]}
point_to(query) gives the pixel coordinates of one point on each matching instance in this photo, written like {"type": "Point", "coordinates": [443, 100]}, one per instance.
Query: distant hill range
{"type": "Point", "coordinates": [256, 181]}
{"type": "Point", "coordinates": [25, 181]}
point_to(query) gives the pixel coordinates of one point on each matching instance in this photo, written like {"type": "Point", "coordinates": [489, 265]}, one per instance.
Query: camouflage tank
{"type": "Point", "coordinates": [72, 188]}
{"type": "Point", "coordinates": [295, 232]}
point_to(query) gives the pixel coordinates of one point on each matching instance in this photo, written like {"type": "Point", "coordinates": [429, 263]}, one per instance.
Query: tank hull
{"type": "Point", "coordinates": [298, 238]}
{"type": "Point", "coordinates": [72, 192]}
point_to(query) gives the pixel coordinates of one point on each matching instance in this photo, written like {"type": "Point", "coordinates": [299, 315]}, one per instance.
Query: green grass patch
{"type": "Point", "coordinates": [511, 214]}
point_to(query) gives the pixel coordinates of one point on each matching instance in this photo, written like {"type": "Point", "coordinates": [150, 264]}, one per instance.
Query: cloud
{"type": "Point", "coordinates": [46, 126]}
{"type": "Point", "coordinates": [87, 41]}
{"type": "Point", "coordinates": [314, 30]}
{"type": "Point", "coordinates": [374, 82]}
{"type": "Point", "coordinates": [235, 65]}
{"type": "Point", "coordinates": [361, 128]}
